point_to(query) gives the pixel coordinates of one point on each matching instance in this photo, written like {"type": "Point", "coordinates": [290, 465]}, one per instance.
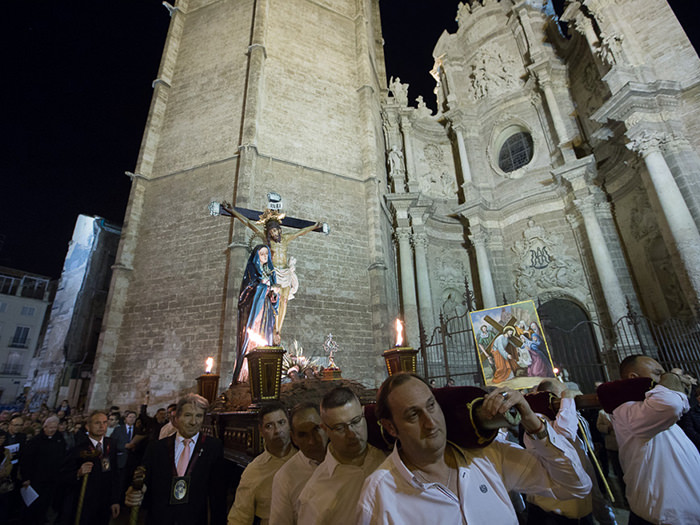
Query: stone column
{"type": "Point", "coordinates": [425, 297]}
{"type": "Point", "coordinates": [545, 82]}
{"type": "Point", "coordinates": [463, 159]}
{"type": "Point", "coordinates": [408, 150]}
{"type": "Point", "coordinates": [488, 292]}
{"type": "Point", "coordinates": [678, 217]}
{"type": "Point", "coordinates": [408, 285]}
{"type": "Point", "coordinates": [612, 290]}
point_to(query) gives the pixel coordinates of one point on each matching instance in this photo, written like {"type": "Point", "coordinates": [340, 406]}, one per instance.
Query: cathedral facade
{"type": "Point", "coordinates": [555, 168]}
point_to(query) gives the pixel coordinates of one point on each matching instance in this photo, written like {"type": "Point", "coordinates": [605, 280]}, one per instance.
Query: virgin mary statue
{"type": "Point", "coordinates": [257, 306]}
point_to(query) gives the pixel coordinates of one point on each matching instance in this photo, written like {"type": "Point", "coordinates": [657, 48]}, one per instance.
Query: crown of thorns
{"type": "Point", "coordinates": [270, 216]}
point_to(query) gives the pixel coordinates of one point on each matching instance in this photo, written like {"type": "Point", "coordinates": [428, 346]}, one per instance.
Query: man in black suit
{"type": "Point", "coordinates": [96, 457]}
{"type": "Point", "coordinates": [120, 437]}
{"type": "Point", "coordinates": [183, 472]}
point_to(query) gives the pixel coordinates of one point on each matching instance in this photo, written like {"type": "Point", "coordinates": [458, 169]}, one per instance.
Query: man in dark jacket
{"type": "Point", "coordinates": [183, 472]}
{"type": "Point", "coordinates": [96, 459]}
{"type": "Point", "coordinates": [40, 467]}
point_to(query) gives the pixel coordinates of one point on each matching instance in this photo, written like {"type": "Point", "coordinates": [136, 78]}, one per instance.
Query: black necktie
{"type": "Point", "coordinates": [98, 447]}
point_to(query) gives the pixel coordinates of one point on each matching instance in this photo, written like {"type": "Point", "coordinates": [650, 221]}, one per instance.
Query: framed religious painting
{"type": "Point", "coordinates": [512, 349]}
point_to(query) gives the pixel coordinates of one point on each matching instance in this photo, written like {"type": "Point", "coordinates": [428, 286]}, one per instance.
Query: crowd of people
{"type": "Point", "coordinates": [48, 454]}
{"type": "Point", "coordinates": [319, 467]}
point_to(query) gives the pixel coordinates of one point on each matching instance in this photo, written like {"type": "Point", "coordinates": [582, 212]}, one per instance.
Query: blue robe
{"type": "Point", "coordinates": [257, 305]}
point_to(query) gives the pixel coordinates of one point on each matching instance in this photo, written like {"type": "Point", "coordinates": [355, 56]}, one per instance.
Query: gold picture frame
{"type": "Point", "coordinates": [511, 345]}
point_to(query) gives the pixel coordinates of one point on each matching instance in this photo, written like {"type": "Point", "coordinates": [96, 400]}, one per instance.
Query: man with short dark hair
{"type": "Point", "coordinates": [122, 437]}
{"type": "Point", "coordinates": [183, 483]}
{"type": "Point", "coordinates": [428, 480]}
{"type": "Point", "coordinates": [112, 424]}
{"type": "Point", "coordinates": [290, 479]}
{"type": "Point", "coordinates": [168, 429]}
{"type": "Point", "coordinates": [331, 495]}
{"type": "Point", "coordinates": [661, 464]}
{"type": "Point", "coordinates": [254, 493]}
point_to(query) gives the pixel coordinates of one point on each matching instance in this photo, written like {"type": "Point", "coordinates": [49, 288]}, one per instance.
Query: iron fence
{"type": "Point", "coordinates": [585, 354]}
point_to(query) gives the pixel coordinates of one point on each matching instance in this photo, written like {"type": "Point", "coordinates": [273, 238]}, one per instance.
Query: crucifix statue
{"type": "Point", "coordinates": [267, 226]}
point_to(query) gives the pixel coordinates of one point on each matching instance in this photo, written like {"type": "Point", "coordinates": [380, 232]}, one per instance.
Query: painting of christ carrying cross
{"type": "Point", "coordinates": [512, 348]}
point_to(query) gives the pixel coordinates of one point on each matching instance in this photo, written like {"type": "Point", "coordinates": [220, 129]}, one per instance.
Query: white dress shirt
{"type": "Point", "coordinates": [566, 424]}
{"type": "Point", "coordinates": [254, 492]}
{"type": "Point", "coordinates": [394, 495]}
{"type": "Point", "coordinates": [662, 466]}
{"type": "Point", "coordinates": [330, 496]}
{"type": "Point", "coordinates": [286, 487]}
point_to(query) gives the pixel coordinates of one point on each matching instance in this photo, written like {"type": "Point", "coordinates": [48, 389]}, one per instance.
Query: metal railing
{"type": "Point", "coordinates": [11, 369]}
{"type": "Point", "coordinates": [587, 353]}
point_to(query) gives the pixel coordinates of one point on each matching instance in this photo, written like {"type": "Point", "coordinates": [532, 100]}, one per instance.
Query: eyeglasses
{"type": "Point", "coordinates": [342, 428]}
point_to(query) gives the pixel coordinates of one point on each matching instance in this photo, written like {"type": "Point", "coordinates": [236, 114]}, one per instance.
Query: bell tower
{"type": "Point", "coordinates": [253, 96]}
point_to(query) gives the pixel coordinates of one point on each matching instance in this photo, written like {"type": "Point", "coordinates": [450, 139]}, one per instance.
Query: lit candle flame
{"type": "Point", "coordinates": [210, 364]}
{"type": "Point", "coordinates": [256, 340]}
{"type": "Point", "coordinates": [399, 332]}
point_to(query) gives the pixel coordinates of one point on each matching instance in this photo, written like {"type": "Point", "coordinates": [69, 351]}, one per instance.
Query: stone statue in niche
{"type": "Point", "coordinates": [610, 49]}
{"type": "Point", "coordinates": [399, 90]}
{"type": "Point", "coordinates": [396, 163]}
{"type": "Point", "coordinates": [542, 265]}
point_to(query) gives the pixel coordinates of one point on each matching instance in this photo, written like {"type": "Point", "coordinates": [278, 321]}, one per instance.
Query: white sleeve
{"type": "Point", "coordinates": [661, 409]}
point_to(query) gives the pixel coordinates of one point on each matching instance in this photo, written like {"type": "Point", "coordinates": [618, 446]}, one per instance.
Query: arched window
{"type": "Point", "coordinates": [515, 152]}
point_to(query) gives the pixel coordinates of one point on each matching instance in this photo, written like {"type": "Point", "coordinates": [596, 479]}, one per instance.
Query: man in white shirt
{"type": "Point", "coordinates": [581, 510]}
{"type": "Point", "coordinates": [428, 480]}
{"type": "Point", "coordinates": [290, 479]}
{"type": "Point", "coordinates": [254, 492]}
{"type": "Point", "coordinates": [661, 464]}
{"type": "Point", "coordinates": [331, 495]}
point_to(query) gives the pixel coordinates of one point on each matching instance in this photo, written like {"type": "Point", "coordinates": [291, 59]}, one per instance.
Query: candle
{"type": "Point", "coordinates": [399, 332]}
{"type": "Point", "coordinates": [210, 365]}
{"type": "Point", "coordinates": [256, 340]}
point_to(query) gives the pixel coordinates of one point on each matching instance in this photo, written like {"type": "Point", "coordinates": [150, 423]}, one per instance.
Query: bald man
{"type": "Point", "coordinates": [661, 464]}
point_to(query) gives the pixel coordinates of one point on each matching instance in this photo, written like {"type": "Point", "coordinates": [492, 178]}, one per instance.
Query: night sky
{"type": "Point", "coordinates": [75, 96]}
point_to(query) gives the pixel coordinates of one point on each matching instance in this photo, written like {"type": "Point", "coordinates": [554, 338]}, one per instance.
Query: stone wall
{"type": "Point", "coordinates": [310, 135]}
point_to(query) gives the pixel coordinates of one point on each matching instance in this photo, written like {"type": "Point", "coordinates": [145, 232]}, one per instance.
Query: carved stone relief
{"type": "Point", "coordinates": [594, 88]}
{"type": "Point", "coordinates": [437, 182]}
{"type": "Point", "coordinates": [642, 223]}
{"type": "Point", "coordinates": [543, 265]}
{"type": "Point", "coordinates": [493, 73]}
{"type": "Point", "coordinates": [450, 282]}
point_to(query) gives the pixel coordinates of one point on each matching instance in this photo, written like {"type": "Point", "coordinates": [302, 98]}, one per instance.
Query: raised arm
{"type": "Point", "coordinates": [661, 408]}
{"type": "Point", "coordinates": [245, 220]}
{"type": "Point", "coordinates": [299, 233]}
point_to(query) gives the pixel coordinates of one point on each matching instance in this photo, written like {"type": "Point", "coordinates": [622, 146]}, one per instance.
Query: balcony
{"type": "Point", "coordinates": [11, 369]}
{"type": "Point", "coordinates": [20, 342]}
